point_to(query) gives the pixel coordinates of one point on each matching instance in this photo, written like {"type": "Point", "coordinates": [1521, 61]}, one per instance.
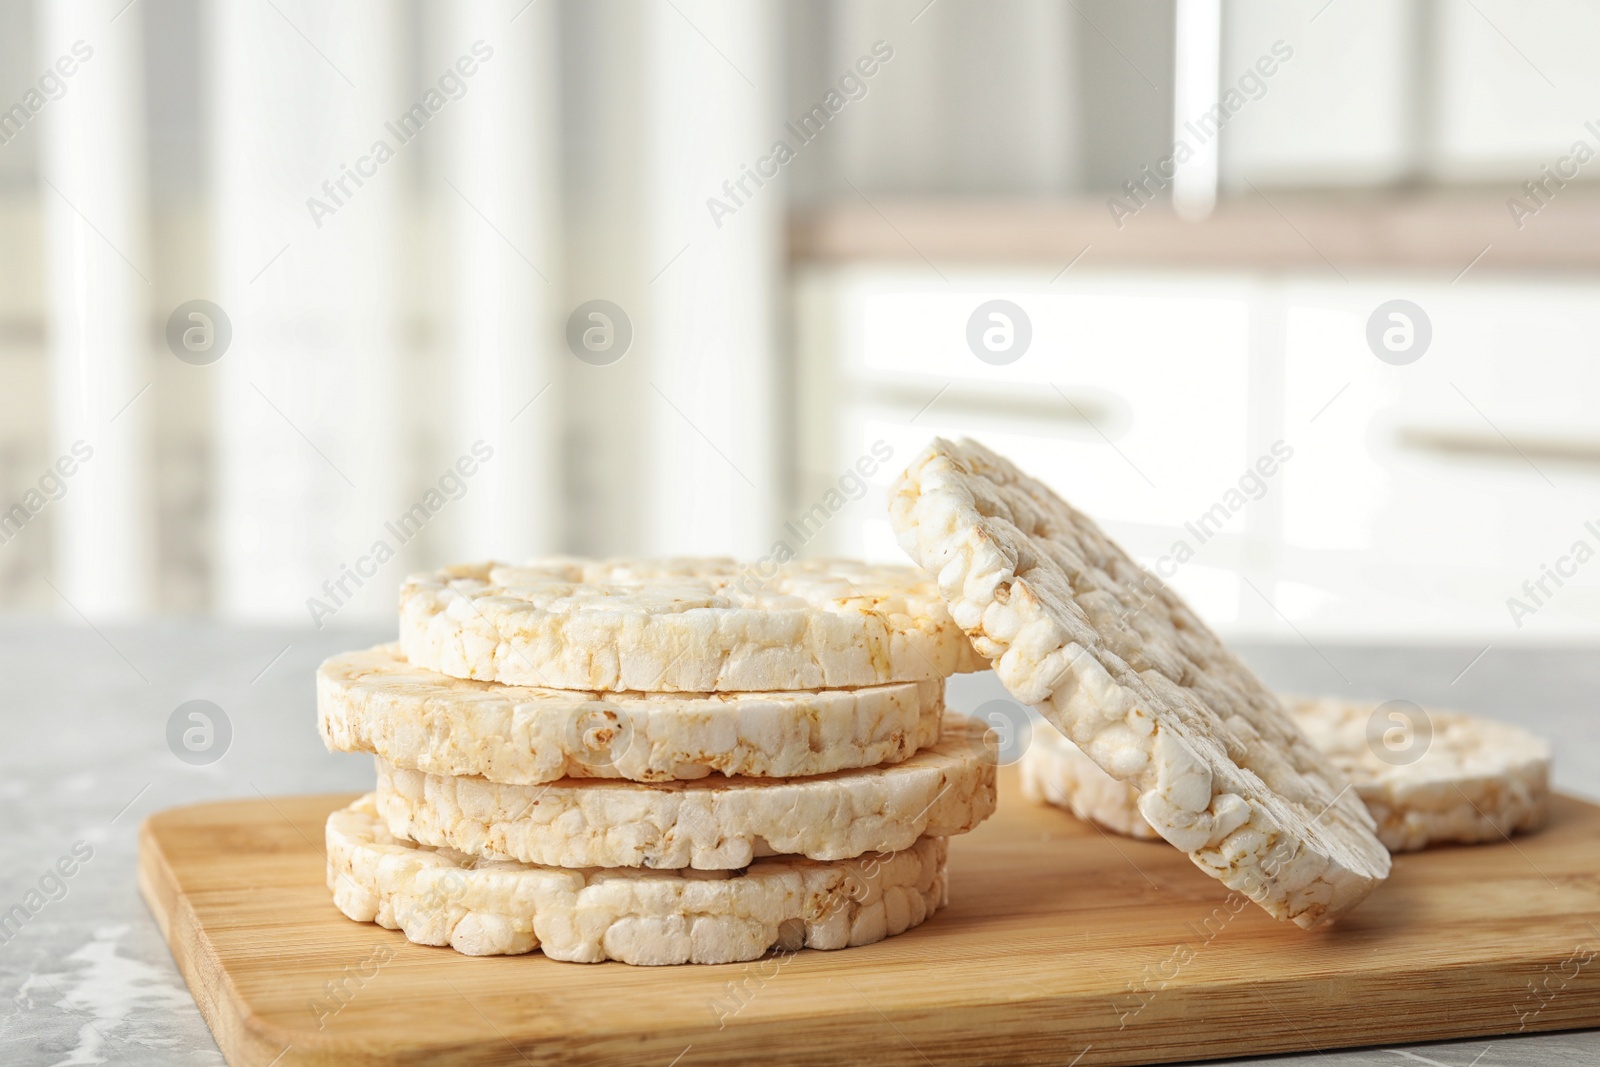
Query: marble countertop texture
{"type": "Point", "coordinates": [85, 757]}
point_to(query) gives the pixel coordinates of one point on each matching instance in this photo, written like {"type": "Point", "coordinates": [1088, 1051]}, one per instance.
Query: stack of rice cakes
{"type": "Point", "coordinates": [655, 761]}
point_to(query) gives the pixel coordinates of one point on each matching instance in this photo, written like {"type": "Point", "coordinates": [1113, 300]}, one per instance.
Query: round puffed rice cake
{"type": "Point", "coordinates": [707, 824]}
{"type": "Point", "coordinates": [1054, 772]}
{"type": "Point", "coordinates": [681, 625]}
{"type": "Point", "coordinates": [480, 908]}
{"type": "Point", "coordinates": [1472, 781]}
{"type": "Point", "coordinates": [374, 701]}
{"type": "Point", "coordinates": [1121, 666]}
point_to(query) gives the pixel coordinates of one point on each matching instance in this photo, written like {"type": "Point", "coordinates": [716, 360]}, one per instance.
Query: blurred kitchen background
{"type": "Point", "coordinates": [1309, 287]}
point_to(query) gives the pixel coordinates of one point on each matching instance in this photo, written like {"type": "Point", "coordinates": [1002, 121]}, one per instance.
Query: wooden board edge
{"type": "Point", "coordinates": [1023, 1030]}
{"type": "Point", "coordinates": [244, 1039]}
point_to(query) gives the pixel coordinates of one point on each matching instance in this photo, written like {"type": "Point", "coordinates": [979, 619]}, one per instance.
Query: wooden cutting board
{"type": "Point", "coordinates": [1060, 945]}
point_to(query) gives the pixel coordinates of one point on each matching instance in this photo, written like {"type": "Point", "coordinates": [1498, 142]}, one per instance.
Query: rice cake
{"type": "Point", "coordinates": [1123, 668]}
{"type": "Point", "coordinates": [443, 897]}
{"type": "Point", "coordinates": [1054, 772]}
{"type": "Point", "coordinates": [707, 824]}
{"type": "Point", "coordinates": [681, 625]}
{"type": "Point", "coordinates": [374, 701]}
{"type": "Point", "coordinates": [1472, 781]}
{"type": "Point", "coordinates": [1469, 780]}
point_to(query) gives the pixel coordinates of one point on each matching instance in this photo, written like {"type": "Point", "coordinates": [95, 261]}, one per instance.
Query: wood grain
{"type": "Point", "coordinates": [1059, 942]}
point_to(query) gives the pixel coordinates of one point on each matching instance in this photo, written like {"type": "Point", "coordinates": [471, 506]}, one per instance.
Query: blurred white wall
{"type": "Point", "coordinates": [712, 112]}
{"type": "Point", "coordinates": [306, 222]}
{"type": "Point", "coordinates": [399, 388]}
{"type": "Point", "coordinates": [1246, 440]}
{"type": "Point", "coordinates": [503, 224]}
{"type": "Point", "coordinates": [98, 299]}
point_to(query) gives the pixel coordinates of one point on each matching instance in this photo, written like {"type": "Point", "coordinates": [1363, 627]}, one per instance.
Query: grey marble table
{"type": "Point", "coordinates": [85, 757]}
